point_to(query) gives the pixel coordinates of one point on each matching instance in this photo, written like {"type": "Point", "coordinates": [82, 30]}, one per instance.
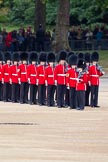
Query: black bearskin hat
{"type": "Point", "coordinates": [73, 60]}
{"type": "Point", "coordinates": [24, 56]}
{"type": "Point", "coordinates": [95, 56]}
{"type": "Point", "coordinates": [68, 55]}
{"type": "Point", "coordinates": [87, 57]}
{"type": "Point", "coordinates": [81, 56]}
{"type": "Point", "coordinates": [51, 57]}
{"type": "Point", "coordinates": [42, 56]}
{"type": "Point", "coordinates": [81, 64]}
{"type": "Point", "coordinates": [15, 56]}
{"type": "Point", "coordinates": [62, 55]}
{"type": "Point", "coordinates": [33, 56]}
{"type": "Point", "coordinates": [7, 56]}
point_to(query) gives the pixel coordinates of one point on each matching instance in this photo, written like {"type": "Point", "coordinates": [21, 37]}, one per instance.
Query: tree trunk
{"type": "Point", "coordinates": [62, 26]}
{"type": "Point", "coordinates": [40, 14]}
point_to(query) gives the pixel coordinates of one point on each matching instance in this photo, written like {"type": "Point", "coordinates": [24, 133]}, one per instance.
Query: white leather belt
{"type": "Point", "coordinates": [95, 75]}
{"type": "Point", "coordinates": [50, 75]}
{"type": "Point", "coordinates": [33, 75]}
{"type": "Point", "coordinates": [61, 74]}
{"type": "Point", "coordinates": [73, 78]}
{"type": "Point", "coordinates": [23, 73]}
{"type": "Point", "coordinates": [41, 75]}
{"type": "Point", "coordinates": [6, 73]}
{"type": "Point", "coordinates": [15, 74]}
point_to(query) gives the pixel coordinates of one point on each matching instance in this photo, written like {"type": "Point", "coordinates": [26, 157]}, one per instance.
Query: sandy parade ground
{"type": "Point", "coordinates": [41, 134]}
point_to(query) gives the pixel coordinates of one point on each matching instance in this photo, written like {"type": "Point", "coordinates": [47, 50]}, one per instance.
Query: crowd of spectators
{"type": "Point", "coordinates": [26, 40]}
{"type": "Point", "coordinates": [98, 32]}
{"type": "Point", "coordinates": [87, 35]}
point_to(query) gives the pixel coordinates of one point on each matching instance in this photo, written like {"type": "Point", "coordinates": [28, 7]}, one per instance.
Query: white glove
{"type": "Point", "coordinates": [46, 84]}
{"type": "Point", "coordinates": [89, 83]}
{"type": "Point", "coordinates": [19, 81]}
{"type": "Point", "coordinates": [103, 73]}
{"type": "Point", "coordinates": [29, 80]}
{"type": "Point", "coordinates": [10, 81]}
{"type": "Point", "coordinates": [56, 82]}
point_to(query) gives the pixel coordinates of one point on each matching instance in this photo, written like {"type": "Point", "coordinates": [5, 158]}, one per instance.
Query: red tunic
{"type": "Point", "coordinates": [81, 85]}
{"type": "Point", "coordinates": [32, 74]}
{"type": "Point", "coordinates": [14, 73]}
{"type": "Point", "coordinates": [94, 75]}
{"type": "Point", "coordinates": [6, 73]}
{"type": "Point", "coordinates": [49, 75]}
{"type": "Point", "coordinates": [1, 71]}
{"type": "Point", "coordinates": [60, 74]}
{"type": "Point", "coordinates": [23, 73]}
{"type": "Point", "coordinates": [71, 78]}
{"type": "Point", "coordinates": [41, 74]}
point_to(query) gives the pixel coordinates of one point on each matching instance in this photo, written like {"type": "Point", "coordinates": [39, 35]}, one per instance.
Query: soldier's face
{"type": "Point", "coordinates": [24, 62]}
{"type": "Point", "coordinates": [15, 62]}
{"type": "Point", "coordinates": [80, 69]}
{"type": "Point", "coordinates": [73, 66]}
{"type": "Point", "coordinates": [62, 62]}
{"type": "Point", "coordinates": [20, 62]}
{"type": "Point", "coordinates": [94, 62]}
{"type": "Point", "coordinates": [0, 62]}
{"type": "Point", "coordinates": [87, 64]}
{"type": "Point", "coordinates": [42, 63]}
{"type": "Point", "coordinates": [51, 63]}
{"type": "Point", "coordinates": [33, 62]}
{"type": "Point", "coordinates": [8, 62]}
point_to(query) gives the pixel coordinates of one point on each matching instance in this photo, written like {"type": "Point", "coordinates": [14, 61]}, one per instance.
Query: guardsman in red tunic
{"type": "Point", "coordinates": [81, 85]}
{"type": "Point", "coordinates": [32, 77]}
{"type": "Point", "coordinates": [19, 83]}
{"type": "Point", "coordinates": [41, 79]}
{"type": "Point", "coordinates": [14, 71]}
{"type": "Point", "coordinates": [6, 78]}
{"type": "Point", "coordinates": [23, 78]}
{"type": "Point", "coordinates": [1, 69]}
{"type": "Point", "coordinates": [95, 72]}
{"type": "Point", "coordinates": [87, 94]}
{"type": "Point", "coordinates": [67, 100]}
{"type": "Point", "coordinates": [71, 78]}
{"type": "Point", "coordinates": [60, 79]}
{"type": "Point", "coordinates": [49, 79]}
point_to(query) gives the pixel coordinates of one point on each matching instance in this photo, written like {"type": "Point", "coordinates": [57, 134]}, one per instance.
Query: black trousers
{"type": "Point", "coordinates": [61, 90]}
{"type": "Point", "coordinates": [15, 92]}
{"type": "Point", "coordinates": [73, 98]}
{"type": "Point", "coordinates": [87, 95]}
{"type": "Point", "coordinates": [24, 87]}
{"type": "Point", "coordinates": [1, 91]}
{"type": "Point", "coordinates": [67, 98]}
{"type": "Point", "coordinates": [18, 92]}
{"type": "Point", "coordinates": [33, 92]}
{"type": "Point", "coordinates": [50, 95]}
{"type": "Point", "coordinates": [6, 91]}
{"type": "Point", "coordinates": [80, 99]}
{"type": "Point", "coordinates": [94, 95]}
{"type": "Point", "coordinates": [41, 94]}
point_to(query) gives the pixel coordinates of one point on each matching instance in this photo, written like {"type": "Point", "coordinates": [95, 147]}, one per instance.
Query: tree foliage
{"type": "Point", "coordinates": [81, 11]}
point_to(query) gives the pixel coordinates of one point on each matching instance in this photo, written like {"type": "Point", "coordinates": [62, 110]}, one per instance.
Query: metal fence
{"type": "Point", "coordinates": [82, 45]}
{"type": "Point", "coordinates": [89, 45]}
{"type": "Point", "coordinates": [76, 45]}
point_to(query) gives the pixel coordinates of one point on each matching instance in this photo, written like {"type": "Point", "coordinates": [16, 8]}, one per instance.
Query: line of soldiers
{"type": "Point", "coordinates": [63, 81]}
